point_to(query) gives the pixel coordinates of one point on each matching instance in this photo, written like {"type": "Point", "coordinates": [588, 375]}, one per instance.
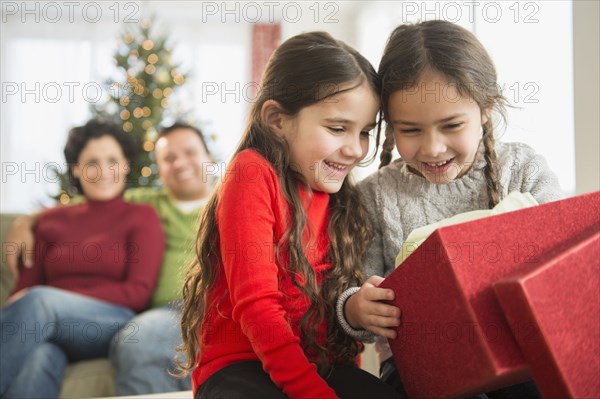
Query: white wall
{"type": "Point", "coordinates": [61, 45]}
{"type": "Point", "coordinates": [213, 39]}
{"type": "Point", "coordinates": [531, 46]}
{"type": "Point", "coordinates": [586, 39]}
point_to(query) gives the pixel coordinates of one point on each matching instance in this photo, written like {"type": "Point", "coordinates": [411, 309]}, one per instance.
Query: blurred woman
{"type": "Point", "coordinates": [96, 265]}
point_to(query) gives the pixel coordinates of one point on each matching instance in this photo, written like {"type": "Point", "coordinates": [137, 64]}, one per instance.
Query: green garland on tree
{"type": "Point", "coordinates": [138, 101]}
{"type": "Point", "coordinates": [141, 99]}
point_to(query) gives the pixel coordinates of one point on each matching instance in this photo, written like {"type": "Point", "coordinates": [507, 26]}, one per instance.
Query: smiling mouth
{"type": "Point", "coordinates": [104, 183]}
{"type": "Point", "coordinates": [437, 167]}
{"type": "Point", "coordinates": [438, 164]}
{"type": "Point", "coordinates": [184, 175]}
{"type": "Point", "coordinates": [338, 167]}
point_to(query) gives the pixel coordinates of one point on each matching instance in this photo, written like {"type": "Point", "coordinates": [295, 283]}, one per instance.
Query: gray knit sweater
{"type": "Point", "coordinates": [399, 201]}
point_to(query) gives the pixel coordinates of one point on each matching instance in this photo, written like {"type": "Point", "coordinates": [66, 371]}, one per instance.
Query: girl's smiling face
{"type": "Point", "coordinates": [328, 138]}
{"type": "Point", "coordinates": [436, 128]}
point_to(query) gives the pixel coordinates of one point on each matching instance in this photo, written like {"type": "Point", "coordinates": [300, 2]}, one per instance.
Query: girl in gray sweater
{"type": "Point", "coordinates": [439, 99]}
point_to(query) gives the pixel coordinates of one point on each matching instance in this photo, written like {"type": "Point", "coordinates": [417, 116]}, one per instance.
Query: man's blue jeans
{"type": "Point", "coordinates": [47, 328]}
{"type": "Point", "coordinates": [144, 358]}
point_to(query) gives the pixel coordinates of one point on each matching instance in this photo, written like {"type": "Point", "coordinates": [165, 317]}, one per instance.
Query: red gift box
{"type": "Point", "coordinates": [454, 340]}
{"type": "Point", "coordinates": [560, 303]}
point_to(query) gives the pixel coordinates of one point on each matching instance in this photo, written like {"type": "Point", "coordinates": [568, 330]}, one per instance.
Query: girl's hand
{"type": "Point", "coordinates": [365, 309]}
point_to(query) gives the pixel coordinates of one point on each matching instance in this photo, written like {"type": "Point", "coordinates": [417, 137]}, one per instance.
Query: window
{"type": "Point", "coordinates": [530, 42]}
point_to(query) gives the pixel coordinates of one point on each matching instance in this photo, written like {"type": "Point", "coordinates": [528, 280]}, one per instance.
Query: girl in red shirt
{"type": "Point", "coordinates": [285, 234]}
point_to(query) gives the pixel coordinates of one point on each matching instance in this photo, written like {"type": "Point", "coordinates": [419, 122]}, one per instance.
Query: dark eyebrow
{"type": "Point", "coordinates": [401, 122]}
{"type": "Point", "coordinates": [348, 122]}
{"type": "Point", "coordinates": [338, 120]}
{"type": "Point", "coordinates": [448, 119]}
{"type": "Point", "coordinates": [444, 120]}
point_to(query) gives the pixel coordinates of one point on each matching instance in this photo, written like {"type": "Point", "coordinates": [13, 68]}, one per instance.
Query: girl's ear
{"type": "Point", "coordinates": [485, 115]}
{"type": "Point", "coordinates": [272, 115]}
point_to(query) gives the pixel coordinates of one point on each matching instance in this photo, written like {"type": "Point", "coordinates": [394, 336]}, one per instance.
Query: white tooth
{"type": "Point", "coordinates": [436, 163]}
{"type": "Point", "coordinates": [336, 165]}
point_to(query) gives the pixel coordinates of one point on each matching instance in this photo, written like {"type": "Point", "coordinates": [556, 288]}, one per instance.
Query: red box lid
{"type": "Point", "coordinates": [454, 339]}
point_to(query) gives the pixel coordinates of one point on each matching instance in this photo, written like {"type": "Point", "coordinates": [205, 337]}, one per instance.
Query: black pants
{"type": "Point", "coordinates": [526, 390]}
{"type": "Point", "coordinates": [247, 380]}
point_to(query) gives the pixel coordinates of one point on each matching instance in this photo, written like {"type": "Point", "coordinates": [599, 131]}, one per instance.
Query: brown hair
{"type": "Point", "coordinates": [304, 70]}
{"type": "Point", "coordinates": [453, 51]}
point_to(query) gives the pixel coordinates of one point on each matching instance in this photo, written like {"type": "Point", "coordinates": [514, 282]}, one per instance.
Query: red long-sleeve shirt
{"type": "Point", "coordinates": [109, 250]}
{"type": "Point", "coordinates": [254, 311]}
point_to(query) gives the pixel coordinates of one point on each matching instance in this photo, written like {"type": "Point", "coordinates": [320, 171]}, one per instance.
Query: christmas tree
{"type": "Point", "coordinates": [139, 100]}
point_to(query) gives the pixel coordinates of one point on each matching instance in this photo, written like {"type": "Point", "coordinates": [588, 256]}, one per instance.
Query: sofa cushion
{"type": "Point", "coordinates": [6, 280]}
{"type": "Point", "coordinates": [88, 379]}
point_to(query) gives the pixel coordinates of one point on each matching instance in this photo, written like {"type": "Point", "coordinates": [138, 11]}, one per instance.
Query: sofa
{"type": "Point", "coordinates": [85, 379]}
{"type": "Point", "coordinates": [95, 378]}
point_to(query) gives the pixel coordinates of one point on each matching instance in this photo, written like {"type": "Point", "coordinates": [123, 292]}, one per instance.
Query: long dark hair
{"type": "Point", "coordinates": [304, 70]}
{"type": "Point", "coordinates": [456, 53]}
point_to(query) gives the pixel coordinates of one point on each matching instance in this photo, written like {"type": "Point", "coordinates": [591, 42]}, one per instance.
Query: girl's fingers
{"type": "Point", "coordinates": [386, 322]}
{"type": "Point", "coordinates": [379, 294]}
{"type": "Point", "coordinates": [375, 280]}
{"type": "Point", "coordinates": [384, 332]}
{"type": "Point", "coordinates": [382, 309]}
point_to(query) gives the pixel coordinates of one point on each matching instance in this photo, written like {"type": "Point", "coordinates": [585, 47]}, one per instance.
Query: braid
{"type": "Point", "coordinates": [387, 148]}
{"type": "Point", "coordinates": [491, 168]}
